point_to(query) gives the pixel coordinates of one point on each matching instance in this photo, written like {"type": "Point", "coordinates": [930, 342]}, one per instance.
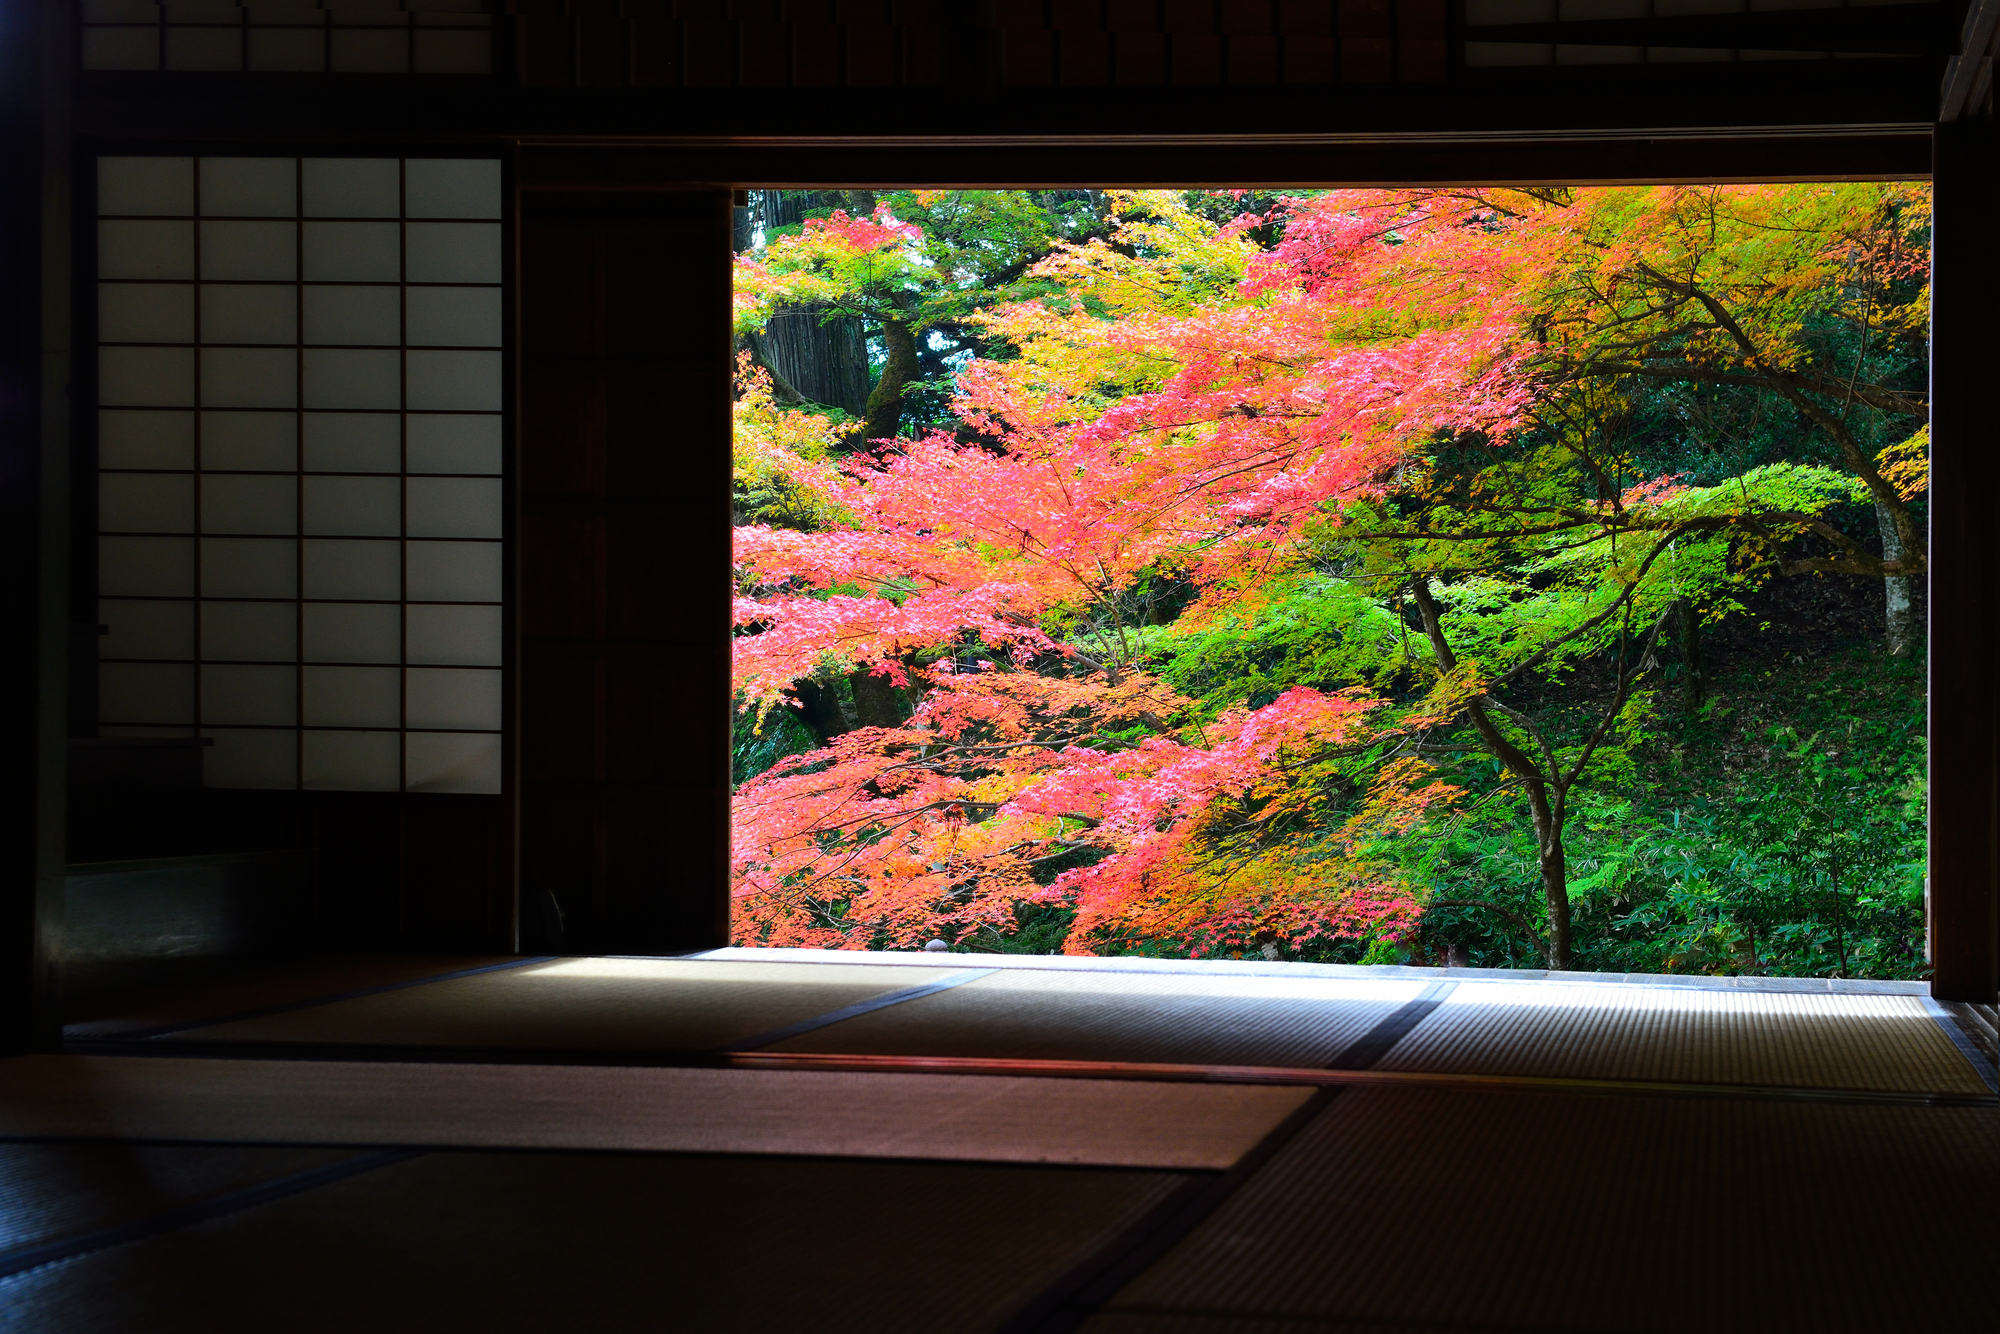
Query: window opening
{"type": "Point", "coordinates": [1508, 577]}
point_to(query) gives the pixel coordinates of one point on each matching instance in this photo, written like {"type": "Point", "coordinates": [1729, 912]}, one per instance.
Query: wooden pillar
{"type": "Point", "coordinates": [34, 452]}
{"type": "Point", "coordinates": [1965, 479]}
{"type": "Point", "coordinates": [623, 580]}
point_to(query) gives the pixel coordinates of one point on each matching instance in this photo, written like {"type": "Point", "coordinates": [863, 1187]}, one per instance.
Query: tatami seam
{"type": "Point", "coordinates": [1087, 1286]}
{"type": "Point", "coordinates": [22, 1259]}
{"type": "Point", "coordinates": [854, 1011]}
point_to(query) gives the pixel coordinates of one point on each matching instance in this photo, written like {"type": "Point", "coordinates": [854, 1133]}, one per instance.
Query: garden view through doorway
{"type": "Point", "coordinates": [1493, 577]}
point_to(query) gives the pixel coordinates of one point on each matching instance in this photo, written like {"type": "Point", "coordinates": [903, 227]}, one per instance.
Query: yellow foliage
{"type": "Point", "coordinates": [1906, 465]}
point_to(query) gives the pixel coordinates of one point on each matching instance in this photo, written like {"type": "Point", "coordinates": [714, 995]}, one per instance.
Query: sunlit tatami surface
{"type": "Point", "coordinates": [1084, 1016]}
{"type": "Point", "coordinates": [964, 1007]}
{"type": "Point", "coordinates": [1688, 1035]}
{"type": "Point", "coordinates": [599, 1004]}
{"type": "Point", "coordinates": [791, 1140]}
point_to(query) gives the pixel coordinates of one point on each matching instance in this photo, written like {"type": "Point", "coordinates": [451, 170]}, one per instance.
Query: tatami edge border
{"type": "Point", "coordinates": [1280, 968]}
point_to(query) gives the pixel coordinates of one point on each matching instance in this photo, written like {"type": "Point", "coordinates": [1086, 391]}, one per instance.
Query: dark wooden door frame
{"type": "Point", "coordinates": [1877, 152]}
{"type": "Point", "coordinates": [1965, 470]}
{"type": "Point", "coordinates": [1964, 888]}
{"type": "Point", "coordinates": [1965, 761]}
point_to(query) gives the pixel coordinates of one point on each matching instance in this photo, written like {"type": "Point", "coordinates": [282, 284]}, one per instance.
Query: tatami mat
{"type": "Point", "coordinates": [606, 1243]}
{"type": "Point", "coordinates": [1798, 1040]}
{"type": "Point", "coordinates": [960, 1117]}
{"type": "Point", "coordinates": [1862, 1042]}
{"type": "Point", "coordinates": [1492, 1210]}
{"type": "Point", "coordinates": [581, 1005]}
{"type": "Point", "coordinates": [1133, 1017]}
{"type": "Point", "coordinates": [50, 1191]}
{"type": "Point", "coordinates": [261, 989]}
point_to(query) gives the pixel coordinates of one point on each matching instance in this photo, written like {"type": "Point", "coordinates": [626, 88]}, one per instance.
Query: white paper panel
{"type": "Point", "coordinates": [453, 762]}
{"type": "Point", "coordinates": [145, 313]}
{"type": "Point", "coordinates": [204, 50]}
{"type": "Point", "coordinates": [286, 50]}
{"type": "Point", "coordinates": [455, 444]}
{"type": "Point", "coordinates": [369, 316]}
{"type": "Point", "coordinates": [352, 252]}
{"type": "Point", "coordinates": [249, 505]}
{"type": "Point", "coordinates": [257, 695]}
{"type": "Point", "coordinates": [454, 317]}
{"type": "Point", "coordinates": [249, 632]}
{"type": "Point", "coordinates": [145, 567]}
{"type": "Point", "coordinates": [370, 51]}
{"type": "Point", "coordinates": [343, 187]}
{"type": "Point", "coordinates": [145, 249]}
{"type": "Point", "coordinates": [353, 442]}
{"type": "Point", "coordinates": [354, 506]}
{"type": "Point", "coordinates": [454, 507]}
{"type": "Point", "coordinates": [453, 252]}
{"type": "Point", "coordinates": [162, 630]}
{"type": "Point", "coordinates": [145, 692]}
{"type": "Point", "coordinates": [450, 636]}
{"type": "Point", "coordinates": [454, 571]}
{"type": "Point", "coordinates": [353, 378]}
{"type": "Point", "coordinates": [250, 441]}
{"type": "Point", "coordinates": [145, 377]}
{"type": "Point", "coordinates": [145, 186]}
{"type": "Point", "coordinates": [452, 188]}
{"type": "Point", "coordinates": [352, 697]}
{"type": "Point", "coordinates": [121, 48]}
{"type": "Point", "coordinates": [351, 761]}
{"type": "Point", "coordinates": [145, 502]}
{"type": "Point", "coordinates": [454, 697]}
{"type": "Point", "coordinates": [249, 377]}
{"type": "Point", "coordinates": [249, 567]}
{"type": "Point", "coordinates": [254, 251]}
{"type": "Point", "coordinates": [345, 569]}
{"type": "Point", "coordinates": [453, 381]}
{"type": "Point", "coordinates": [352, 632]}
{"type": "Point", "coordinates": [249, 187]}
{"type": "Point", "coordinates": [129, 439]}
{"type": "Point", "coordinates": [249, 313]}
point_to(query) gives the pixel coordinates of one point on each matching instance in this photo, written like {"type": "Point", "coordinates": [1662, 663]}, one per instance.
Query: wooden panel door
{"type": "Point", "coordinates": [623, 572]}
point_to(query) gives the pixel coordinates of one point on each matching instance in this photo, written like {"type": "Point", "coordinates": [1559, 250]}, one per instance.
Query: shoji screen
{"type": "Point", "coordinates": [299, 446]}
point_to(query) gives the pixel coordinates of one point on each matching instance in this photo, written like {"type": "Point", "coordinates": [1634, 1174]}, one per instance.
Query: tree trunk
{"type": "Point", "coordinates": [819, 706]}
{"type": "Point", "coordinates": [877, 701]}
{"type": "Point", "coordinates": [1555, 871]}
{"type": "Point", "coordinates": [825, 361]}
{"type": "Point", "coordinates": [1747, 962]}
{"type": "Point", "coordinates": [1694, 686]}
{"type": "Point", "coordinates": [885, 404]}
{"type": "Point", "coordinates": [1548, 820]}
{"type": "Point", "coordinates": [1900, 625]}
